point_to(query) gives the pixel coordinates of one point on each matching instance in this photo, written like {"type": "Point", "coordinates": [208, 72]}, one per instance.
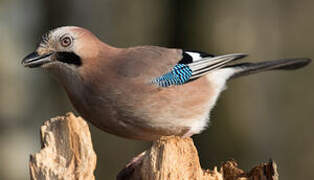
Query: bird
{"type": "Point", "coordinates": [141, 92]}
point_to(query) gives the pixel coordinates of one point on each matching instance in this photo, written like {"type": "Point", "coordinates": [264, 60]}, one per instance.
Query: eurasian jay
{"type": "Point", "coordinates": [141, 92]}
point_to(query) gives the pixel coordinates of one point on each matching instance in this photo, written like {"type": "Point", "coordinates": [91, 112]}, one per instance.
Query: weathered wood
{"type": "Point", "coordinates": [172, 158]}
{"type": "Point", "coordinates": [67, 151]}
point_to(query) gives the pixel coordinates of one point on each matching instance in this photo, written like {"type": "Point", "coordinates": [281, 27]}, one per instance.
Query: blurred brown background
{"type": "Point", "coordinates": [259, 117]}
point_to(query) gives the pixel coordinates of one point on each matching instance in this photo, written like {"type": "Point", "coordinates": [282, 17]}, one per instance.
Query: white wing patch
{"type": "Point", "coordinates": [195, 56]}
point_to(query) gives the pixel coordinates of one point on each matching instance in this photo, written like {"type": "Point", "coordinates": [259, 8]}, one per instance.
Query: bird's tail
{"type": "Point", "coordinates": [243, 69]}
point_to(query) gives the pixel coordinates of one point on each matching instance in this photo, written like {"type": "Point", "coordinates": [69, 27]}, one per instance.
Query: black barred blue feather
{"type": "Point", "coordinates": [193, 65]}
{"type": "Point", "coordinates": [180, 74]}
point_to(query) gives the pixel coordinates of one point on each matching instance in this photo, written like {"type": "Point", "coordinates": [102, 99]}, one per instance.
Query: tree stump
{"type": "Point", "coordinates": [67, 153]}
{"type": "Point", "coordinates": [174, 158]}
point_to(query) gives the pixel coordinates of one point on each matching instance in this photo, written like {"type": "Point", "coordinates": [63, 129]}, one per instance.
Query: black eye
{"type": "Point", "coordinates": [66, 41]}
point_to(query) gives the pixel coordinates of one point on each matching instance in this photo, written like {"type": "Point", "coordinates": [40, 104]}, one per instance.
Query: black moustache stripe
{"type": "Point", "coordinates": [69, 58]}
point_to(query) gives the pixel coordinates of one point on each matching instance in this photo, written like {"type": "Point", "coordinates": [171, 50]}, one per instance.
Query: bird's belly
{"type": "Point", "coordinates": [149, 127]}
{"type": "Point", "coordinates": [148, 115]}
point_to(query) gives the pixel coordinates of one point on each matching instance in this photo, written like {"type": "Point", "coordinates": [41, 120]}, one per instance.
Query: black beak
{"type": "Point", "coordinates": [35, 60]}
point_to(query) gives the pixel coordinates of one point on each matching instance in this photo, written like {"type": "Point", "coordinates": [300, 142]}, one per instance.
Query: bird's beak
{"type": "Point", "coordinates": [35, 60]}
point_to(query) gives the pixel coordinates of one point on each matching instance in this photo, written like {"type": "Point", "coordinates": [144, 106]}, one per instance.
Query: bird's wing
{"type": "Point", "coordinates": [192, 66]}
{"type": "Point", "coordinates": [169, 67]}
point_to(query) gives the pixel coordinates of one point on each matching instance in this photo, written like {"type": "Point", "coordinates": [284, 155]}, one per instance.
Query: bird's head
{"type": "Point", "coordinates": [66, 47]}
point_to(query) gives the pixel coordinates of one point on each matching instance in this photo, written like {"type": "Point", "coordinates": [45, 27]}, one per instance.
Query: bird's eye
{"type": "Point", "coordinates": [66, 41]}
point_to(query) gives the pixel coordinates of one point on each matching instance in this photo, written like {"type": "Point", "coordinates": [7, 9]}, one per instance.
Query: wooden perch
{"type": "Point", "coordinates": [174, 158]}
{"type": "Point", "coordinates": [67, 153]}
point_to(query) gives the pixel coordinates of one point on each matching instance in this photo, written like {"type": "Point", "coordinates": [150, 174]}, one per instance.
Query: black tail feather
{"type": "Point", "coordinates": [281, 64]}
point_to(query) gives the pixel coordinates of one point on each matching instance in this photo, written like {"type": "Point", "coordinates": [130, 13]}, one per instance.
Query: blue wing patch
{"type": "Point", "coordinates": [180, 74]}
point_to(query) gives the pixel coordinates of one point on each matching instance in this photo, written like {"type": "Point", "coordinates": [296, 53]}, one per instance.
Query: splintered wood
{"type": "Point", "coordinates": [67, 151]}
{"type": "Point", "coordinates": [67, 154]}
{"type": "Point", "coordinates": [174, 158]}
